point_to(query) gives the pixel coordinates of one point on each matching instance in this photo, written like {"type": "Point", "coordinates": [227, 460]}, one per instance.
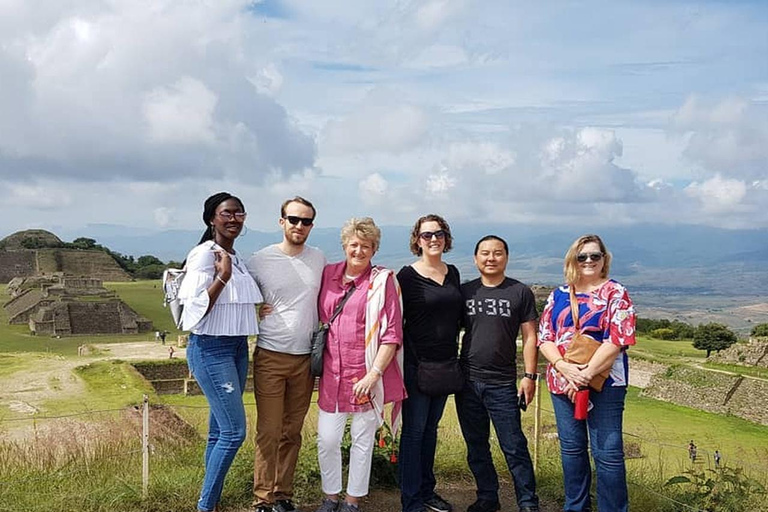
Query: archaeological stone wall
{"type": "Point", "coordinates": [16, 264]}
{"type": "Point", "coordinates": [29, 262]}
{"type": "Point", "coordinates": [95, 264]}
{"type": "Point", "coordinates": [752, 353]}
{"type": "Point", "coordinates": [23, 306]}
{"type": "Point", "coordinates": [710, 391]}
{"type": "Point", "coordinates": [95, 317]}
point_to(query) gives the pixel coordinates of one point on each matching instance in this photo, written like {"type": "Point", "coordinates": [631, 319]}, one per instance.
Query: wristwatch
{"type": "Point", "coordinates": [532, 376]}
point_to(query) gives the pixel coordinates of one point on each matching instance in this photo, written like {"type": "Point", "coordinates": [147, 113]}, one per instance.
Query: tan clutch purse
{"type": "Point", "coordinates": [583, 347]}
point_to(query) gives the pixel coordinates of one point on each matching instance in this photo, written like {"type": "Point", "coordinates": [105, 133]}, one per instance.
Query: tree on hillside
{"type": "Point", "coordinates": [713, 336]}
{"type": "Point", "coordinates": [760, 330]}
{"type": "Point", "coordinates": [147, 260]}
{"type": "Point", "coordinates": [84, 243]}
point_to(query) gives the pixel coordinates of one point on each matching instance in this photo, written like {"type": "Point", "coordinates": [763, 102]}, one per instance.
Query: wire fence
{"type": "Point", "coordinates": [71, 467]}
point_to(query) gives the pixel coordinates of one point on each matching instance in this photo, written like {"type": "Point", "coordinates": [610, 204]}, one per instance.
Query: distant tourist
{"type": "Point", "coordinates": [219, 297]}
{"type": "Point", "coordinates": [170, 352]}
{"type": "Point", "coordinates": [605, 314]}
{"type": "Point", "coordinates": [288, 274]}
{"type": "Point", "coordinates": [496, 309]}
{"type": "Point", "coordinates": [717, 459]}
{"type": "Point", "coordinates": [432, 309]}
{"type": "Point", "coordinates": [362, 362]}
{"type": "Point", "coordinates": [163, 334]}
{"type": "Point", "coordinates": [157, 335]}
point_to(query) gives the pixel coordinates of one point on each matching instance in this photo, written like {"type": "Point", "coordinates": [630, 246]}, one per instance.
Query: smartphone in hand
{"type": "Point", "coordinates": [521, 402]}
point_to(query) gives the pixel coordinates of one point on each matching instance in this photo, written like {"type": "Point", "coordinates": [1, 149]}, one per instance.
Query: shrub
{"type": "Point", "coordinates": [664, 333]}
{"type": "Point", "coordinates": [760, 330]}
{"type": "Point", "coordinates": [722, 490]}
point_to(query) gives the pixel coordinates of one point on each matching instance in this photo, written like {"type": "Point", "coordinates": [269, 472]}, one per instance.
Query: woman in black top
{"type": "Point", "coordinates": [432, 309]}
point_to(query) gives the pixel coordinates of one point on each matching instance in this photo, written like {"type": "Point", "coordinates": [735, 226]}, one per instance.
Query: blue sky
{"type": "Point", "coordinates": [131, 112]}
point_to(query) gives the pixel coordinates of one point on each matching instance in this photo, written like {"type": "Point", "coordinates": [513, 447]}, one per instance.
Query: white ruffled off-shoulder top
{"type": "Point", "coordinates": [234, 312]}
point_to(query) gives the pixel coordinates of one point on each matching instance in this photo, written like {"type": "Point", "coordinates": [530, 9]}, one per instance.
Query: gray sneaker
{"type": "Point", "coordinates": [346, 507]}
{"type": "Point", "coordinates": [328, 506]}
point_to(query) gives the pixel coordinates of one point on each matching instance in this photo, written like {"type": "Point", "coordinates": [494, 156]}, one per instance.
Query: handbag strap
{"type": "Point", "coordinates": [344, 299]}
{"type": "Point", "coordinates": [574, 308]}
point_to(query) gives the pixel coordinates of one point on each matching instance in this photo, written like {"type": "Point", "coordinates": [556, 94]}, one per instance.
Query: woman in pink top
{"type": "Point", "coordinates": [362, 363]}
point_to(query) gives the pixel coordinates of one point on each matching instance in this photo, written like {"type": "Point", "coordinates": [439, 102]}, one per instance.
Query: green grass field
{"type": "Point", "coordinates": [47, 476]}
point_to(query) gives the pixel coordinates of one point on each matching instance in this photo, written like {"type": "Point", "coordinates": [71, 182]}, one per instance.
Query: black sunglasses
{"type": "Point", "coordinates": [427, 235]}
{"type": "Point", "coordinates": [592, 256]}
{"type": "Point", "coordinates": [295, 220]}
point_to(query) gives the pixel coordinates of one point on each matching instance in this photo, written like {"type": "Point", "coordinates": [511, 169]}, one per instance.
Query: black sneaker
{"type": "Point", "coordinates": [529, 509]}
{"type": "Point", "coordinates": [438, 504]}
{"type": "Point", "coordinates": [284, 506]}
{"type": "Point", "coordinates": [263, 508]}
{"type": "Point", "coordinates": [484, 506]}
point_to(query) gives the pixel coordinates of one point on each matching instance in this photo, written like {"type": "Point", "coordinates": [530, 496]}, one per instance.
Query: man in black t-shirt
{"type": "Point", "coordinates": [496, 308]}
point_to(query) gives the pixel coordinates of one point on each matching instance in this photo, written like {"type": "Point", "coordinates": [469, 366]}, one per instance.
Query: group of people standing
{"type": "Point", "coordinates": [394, 339]}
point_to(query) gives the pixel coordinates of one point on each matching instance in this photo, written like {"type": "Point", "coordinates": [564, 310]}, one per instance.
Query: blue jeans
{"type": "Point", "coordinates": [479, 404]}
{"type": "Point", "coordinates": [220, 366]}
{"type": "Point", "coordinates": [418, 442]}
{"type": "Point", "coordinates": [604, 425]}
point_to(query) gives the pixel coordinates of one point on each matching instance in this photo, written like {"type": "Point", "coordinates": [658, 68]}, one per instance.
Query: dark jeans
{"type": "Point", "coordinates": [418, 442]}
{"type": "Point", "coordinates": [604, 425]}
{"type": "Point", "coordinates": [220, 366]}
{"type": "Point", "coordinates": [479, 404]}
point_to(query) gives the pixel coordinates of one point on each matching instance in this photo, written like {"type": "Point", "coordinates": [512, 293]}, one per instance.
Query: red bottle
{"type": "Point", "coordinates": [582, 404]}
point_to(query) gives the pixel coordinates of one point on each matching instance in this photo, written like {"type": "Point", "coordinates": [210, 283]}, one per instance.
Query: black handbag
{"type": "Point", "coordinates": [320, 337]}
{"type": "Point", "coordinates": [440, 378]}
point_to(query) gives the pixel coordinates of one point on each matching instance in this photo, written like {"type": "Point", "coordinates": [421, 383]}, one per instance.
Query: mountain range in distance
{"type": "Point", "coordinates": [693, 273]}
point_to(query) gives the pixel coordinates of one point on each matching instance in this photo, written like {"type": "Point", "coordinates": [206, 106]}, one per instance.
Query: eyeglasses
{"type": "Point", "coordinates": [295, 220]}
{"type": "Point", "coordinates": [229, 216]}
{"type": "Point", "coordinates": [591, 256]}
{"type": "Point", "coordinates": [427, 235]}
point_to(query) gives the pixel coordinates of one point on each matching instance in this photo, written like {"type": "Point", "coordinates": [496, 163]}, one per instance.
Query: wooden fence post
{"type": "Point", "coordinates": [145, 449]}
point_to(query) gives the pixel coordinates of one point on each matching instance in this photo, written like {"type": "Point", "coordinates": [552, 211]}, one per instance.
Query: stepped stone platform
{"type": "Point", "coordinates": [62, 305]}
{"type": "Point", "coordinates": [37, 252]}
{"type": "Point", "coordinates": [173, 377]}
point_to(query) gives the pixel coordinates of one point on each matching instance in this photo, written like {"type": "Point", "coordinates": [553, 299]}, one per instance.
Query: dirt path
{"type": "Point", "coordinates": [460, 495]}
{"type": "Point", "coordinates": [45, 377]}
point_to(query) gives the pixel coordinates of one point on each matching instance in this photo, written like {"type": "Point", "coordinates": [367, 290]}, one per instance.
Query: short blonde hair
{"type": "Point", "coordinates": [571, 264]}
{"type": "Point", "coordinates": [364, 228]}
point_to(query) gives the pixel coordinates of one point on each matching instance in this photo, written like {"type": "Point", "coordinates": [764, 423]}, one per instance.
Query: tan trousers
{"type": "Point", "coordinates": [283, 389]}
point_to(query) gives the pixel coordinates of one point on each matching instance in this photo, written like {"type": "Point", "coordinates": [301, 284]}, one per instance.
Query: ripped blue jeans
{"type": "Point", "coordinates": [220, 366]}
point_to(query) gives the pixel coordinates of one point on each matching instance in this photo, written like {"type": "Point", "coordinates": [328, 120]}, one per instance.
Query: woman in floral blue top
{"type": "Point", "coordinates": [607, 315]}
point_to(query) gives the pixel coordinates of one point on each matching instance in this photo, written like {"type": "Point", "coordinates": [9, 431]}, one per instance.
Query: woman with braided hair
{"type": "Point", "coordinates": [219, 298]}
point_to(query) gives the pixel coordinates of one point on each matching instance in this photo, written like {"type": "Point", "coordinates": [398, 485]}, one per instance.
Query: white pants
{"type": "Point", "coordinates": [330, 431]}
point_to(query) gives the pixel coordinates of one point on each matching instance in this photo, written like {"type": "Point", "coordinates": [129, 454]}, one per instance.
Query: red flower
{"type": "Point", "coordinates": [393, 458]}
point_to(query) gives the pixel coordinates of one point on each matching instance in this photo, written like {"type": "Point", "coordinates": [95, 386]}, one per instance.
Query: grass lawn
{"type": "Point", "coordinates": [666, 351]}
{"type": "Point", "coordinates": [736, 368]}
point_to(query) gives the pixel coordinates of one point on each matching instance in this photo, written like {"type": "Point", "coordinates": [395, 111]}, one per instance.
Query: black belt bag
{"type": "Point", "coordinates": [439, 378]}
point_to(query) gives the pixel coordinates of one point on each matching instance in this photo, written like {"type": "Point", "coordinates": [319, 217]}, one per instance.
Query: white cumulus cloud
{"type": "Point", "coordinates": [181, 113]}
{"type": "Point", "coordinates": [718, 193]}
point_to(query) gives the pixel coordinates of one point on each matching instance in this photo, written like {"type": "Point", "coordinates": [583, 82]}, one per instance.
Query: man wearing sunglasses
{"type": "Point", "coordinates": [496, 309]}
{"type": "Point", "coordinates": [288, 274]}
